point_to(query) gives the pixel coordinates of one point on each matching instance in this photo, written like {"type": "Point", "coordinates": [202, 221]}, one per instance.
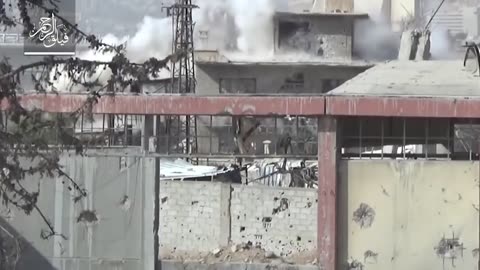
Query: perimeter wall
{"type": "Point", "coordinates": [392, 215]}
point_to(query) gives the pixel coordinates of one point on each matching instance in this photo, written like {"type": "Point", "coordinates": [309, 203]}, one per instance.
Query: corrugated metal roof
{"type": "Point", "coordinates": [181, 169]}
{"type": "Point", "coordinates": [269, 172]}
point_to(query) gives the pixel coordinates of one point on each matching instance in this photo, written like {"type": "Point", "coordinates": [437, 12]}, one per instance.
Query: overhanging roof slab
{"type": "Point", "coordinates": [431, 107]}
{"type": "Point", "coordinates": [179, 104]}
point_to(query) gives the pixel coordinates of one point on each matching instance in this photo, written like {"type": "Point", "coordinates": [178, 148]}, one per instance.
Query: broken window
{"type": "Point", "coordinates": [294, 35]}
{"type": "Point", "coordinates": [238, 85]}
{"type": "Point", "coordinates": [294, 84]}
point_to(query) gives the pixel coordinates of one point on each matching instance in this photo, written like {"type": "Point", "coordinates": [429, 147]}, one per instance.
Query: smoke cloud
{"type": "Point", "coordinates": [374, 39]}
{"type": "Point", "coordinates": [243, 26]}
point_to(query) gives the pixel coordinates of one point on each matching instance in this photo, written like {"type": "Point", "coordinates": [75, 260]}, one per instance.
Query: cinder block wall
{"type": "Point", "coordinates": [280, 220]}
{"type": "Point", "coordinates": [198, 217]}
{"type": "Point", "coordinates": [190, 216]}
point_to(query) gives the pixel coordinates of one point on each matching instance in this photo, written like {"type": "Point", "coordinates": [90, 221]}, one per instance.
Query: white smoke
{"type": "Point", "coordinates": [242, 25]}
{"type": "Point", "coordinates": [255, 25]}
{"type": "Point", "coordinates": [374, 39]}
{"type": "Point", "coordinates": [146, 43]}
{"type": "Point", "coordinates": [442, 46]}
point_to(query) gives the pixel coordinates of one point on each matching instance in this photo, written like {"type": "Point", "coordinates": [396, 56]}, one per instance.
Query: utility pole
{"type": "Point", "coordinates": [183, 128]}
{"type": "Point", "coordinates": [177, 128]}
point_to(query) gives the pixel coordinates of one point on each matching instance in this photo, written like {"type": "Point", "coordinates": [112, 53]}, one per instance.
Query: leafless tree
{"type": "Point", "coordinates": [29, 140]}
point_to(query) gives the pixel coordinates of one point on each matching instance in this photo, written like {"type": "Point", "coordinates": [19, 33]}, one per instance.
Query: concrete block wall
{"type": "Point", "coordinates": [191, 216]}
{"type": "Point", "coordinates": [198, 217]}
{"type": "Point", "coordinates": [280, 220]}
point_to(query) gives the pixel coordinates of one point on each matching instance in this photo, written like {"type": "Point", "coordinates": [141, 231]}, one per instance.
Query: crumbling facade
{"type": "Point", "coordinates": [313, 54]}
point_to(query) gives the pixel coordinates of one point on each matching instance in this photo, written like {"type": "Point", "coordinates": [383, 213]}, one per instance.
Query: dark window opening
{"type": "Point", "coordinates": [294, 35]}
{"type": "Point", "coordinates": [294, 83]}
{"type": "Point", "coordinates": [238, 85]}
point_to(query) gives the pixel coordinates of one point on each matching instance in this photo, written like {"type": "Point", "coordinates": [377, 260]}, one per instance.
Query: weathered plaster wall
{"type": "Point", "coordinates": [328, 36]}
{"type": "Point", "coordinates": [408, 206]}
{"type": "Point", "coordinates": [200, 217]}
{"type": "Point", "coordinates": [120, 193]}
{"type": "Point", "coordinates": [272, 78]}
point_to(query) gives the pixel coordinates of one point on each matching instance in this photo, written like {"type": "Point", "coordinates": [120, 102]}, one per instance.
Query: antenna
{"type": "Point", "coordinates": [433, 16]}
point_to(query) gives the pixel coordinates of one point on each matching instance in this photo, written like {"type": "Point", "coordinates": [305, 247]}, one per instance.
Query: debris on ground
{"type": "Point", "coordinates": [246, 253]}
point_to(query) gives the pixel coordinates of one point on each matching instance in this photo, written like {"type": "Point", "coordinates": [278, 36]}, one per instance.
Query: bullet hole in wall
{"type": "Point", "coordinates": [370, 257]}
{"type": "Point", "coordinates": [475, 253]}
{"type": "Point", "coordinates": [267, 222]}
{"type": "Point", "coordinates": [87, 216]}
{"type": "Point", "coordinates": [164, 199]}
{"type": "Point", "coordinates": [355, 265]}
{"type": "Point", "coordinates": [450, 248]}
{"type": "Point", "coordinates": [283, 205]}
{"type": "Point", "coordinates": [242, 229]}
{"type": "Point", "coordinates": [364, 216]}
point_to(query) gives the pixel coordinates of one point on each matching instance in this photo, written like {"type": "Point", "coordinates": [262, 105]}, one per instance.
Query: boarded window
{"type": "Point", "coordinates": [238, 85]}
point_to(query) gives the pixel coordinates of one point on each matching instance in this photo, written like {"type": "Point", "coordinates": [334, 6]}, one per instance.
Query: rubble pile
{"type": "Point", "coordinates": [246, 253]}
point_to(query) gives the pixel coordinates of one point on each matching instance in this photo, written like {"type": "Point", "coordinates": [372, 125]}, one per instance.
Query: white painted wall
{"type": "Point", "coordinates": [416, 203]}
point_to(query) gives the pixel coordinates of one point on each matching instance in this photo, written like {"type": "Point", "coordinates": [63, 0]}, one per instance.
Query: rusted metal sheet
{"type": "Point", "coordinates": [327, 191]}
{"type": "Point", "coordinates": [181, 105]}
{"type": "Point", "coordinates": [403, 107]}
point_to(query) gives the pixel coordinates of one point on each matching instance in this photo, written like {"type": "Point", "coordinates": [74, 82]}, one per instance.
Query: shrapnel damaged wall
{"type": "Point", "coordinates": [199, 217]}
{"type": "Point", "coordinates": [109, 229]}
{"type": "Point", "coordinates": [409, 214]}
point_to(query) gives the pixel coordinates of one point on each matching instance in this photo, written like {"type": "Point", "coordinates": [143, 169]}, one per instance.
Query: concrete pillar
{"type": "Point", "coordinates": [147, 171]}
{"type": "Point", "coordinates": [327, 191]}
{"type": "Point", "coordinates": [147, 132]}
{"type": "Point", "coordinates": [342, 5]}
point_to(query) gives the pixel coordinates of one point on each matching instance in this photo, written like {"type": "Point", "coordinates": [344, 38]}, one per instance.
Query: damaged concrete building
{"type": "Point", "coordinates": [314, 53]}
